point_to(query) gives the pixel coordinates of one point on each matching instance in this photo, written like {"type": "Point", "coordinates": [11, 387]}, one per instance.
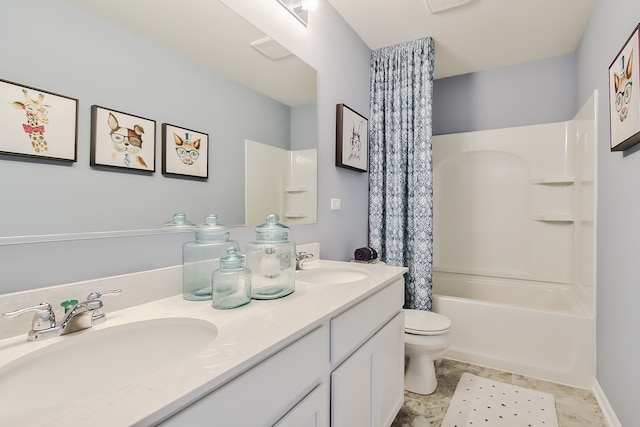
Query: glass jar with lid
{"type": "Point", "coordinates": [231, 283]}
{"type": "Point", "coordinates": [272, 260]}
{"type": "Point", "coordinates": [202, 256]}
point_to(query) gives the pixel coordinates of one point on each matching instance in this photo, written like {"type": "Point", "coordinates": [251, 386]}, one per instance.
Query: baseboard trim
{"type": "Point", "coordinates": [609, 415]}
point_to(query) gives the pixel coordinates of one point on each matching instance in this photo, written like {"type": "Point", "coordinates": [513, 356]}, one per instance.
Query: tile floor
{"type": "Point", "coordinates": [575, 407]}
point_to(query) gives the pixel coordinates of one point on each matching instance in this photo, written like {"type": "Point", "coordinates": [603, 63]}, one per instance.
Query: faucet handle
{"type": "Point", "coordinates": [97, 295]}
{"type": "Point", "coordinates": [44, 318]}
{"type": "Point", "coordinates": [98, 315]}
{"type": "Point", "coordinates": [301, 257]}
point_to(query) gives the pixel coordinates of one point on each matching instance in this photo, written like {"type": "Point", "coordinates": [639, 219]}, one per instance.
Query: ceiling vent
{"type": "Point", "coordinates": [270, 48]}
{"type": "Point", "coordinates": [440, 5]}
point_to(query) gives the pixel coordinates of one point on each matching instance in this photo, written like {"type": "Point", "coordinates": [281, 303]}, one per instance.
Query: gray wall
{"type": "Point", "coordinates": [524, 94]}
{"type": "Point", "coordinates": [327, 44]}
{"type": "Point", "coordinates": [618, 285]}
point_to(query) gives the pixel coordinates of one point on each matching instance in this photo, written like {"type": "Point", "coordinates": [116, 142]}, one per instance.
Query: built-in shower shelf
{"type": "Point", "coordinates": [553, 180]}
{"type": "Point", "coordinates": [296, 189]}
{"type": "Point", "coordinates": [553, 218]}
{"type": "Point", "coordinates": [294, 215]}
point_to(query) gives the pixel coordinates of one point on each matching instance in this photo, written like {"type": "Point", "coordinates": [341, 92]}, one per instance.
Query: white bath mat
{"type": "Point", "coordinates": [481, 402]}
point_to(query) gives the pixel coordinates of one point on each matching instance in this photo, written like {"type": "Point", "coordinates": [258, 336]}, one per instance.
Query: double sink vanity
{"type": "Point", "coordinates": [331, 353]}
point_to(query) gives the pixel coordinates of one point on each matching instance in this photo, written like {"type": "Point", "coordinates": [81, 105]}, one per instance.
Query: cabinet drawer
{"type": "Point", "coordinates": [266, 392]}
{"type": "Point", "coordinates": [352, 328]}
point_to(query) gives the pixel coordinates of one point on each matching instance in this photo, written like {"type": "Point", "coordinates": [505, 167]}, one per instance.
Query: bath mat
{"type": "Point", "coordinates": [482, 402]}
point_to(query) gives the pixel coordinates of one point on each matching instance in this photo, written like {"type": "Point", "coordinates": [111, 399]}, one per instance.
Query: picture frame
{"type": "Point", "coordinates": [122, 140]}
{"type": "Point", "coordinates": [185, 152]}
{"type": "Point", "coordinates": [352, 139]}
{"type": "Point", "coordinates": [624, 94]}
{"type": "Point", "coordinates": [37, 123]}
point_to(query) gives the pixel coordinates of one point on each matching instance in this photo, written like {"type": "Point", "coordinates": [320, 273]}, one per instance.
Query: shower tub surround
{"type": "Point", "coordinates": [541, 330]}
{"type": "Point", "coordinates": [276, 356]}
{"type": "Point", "coordinates": [514, 247]}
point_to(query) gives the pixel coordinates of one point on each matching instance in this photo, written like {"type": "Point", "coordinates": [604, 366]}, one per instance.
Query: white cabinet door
{"type": "Point", "coordinates": [368, 388]}
{"type": "Point", "coordinates": [313, 411]}
{"type": "Point", "coordinates": [352, 388]}
{"type": "Point", "coordinates": [390, 370]}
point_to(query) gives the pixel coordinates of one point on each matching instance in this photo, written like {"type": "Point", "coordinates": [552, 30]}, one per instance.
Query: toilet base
{"type": "Point", "coordinates": [420, 375]}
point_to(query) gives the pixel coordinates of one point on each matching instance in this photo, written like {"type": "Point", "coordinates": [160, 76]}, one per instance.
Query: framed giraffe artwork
{"type": "Point", "coordinates": [624, 94]}
{"type": "Point", "coordinates": [122, 140]}
{"type": "Point", "coordinates": [37, 123]}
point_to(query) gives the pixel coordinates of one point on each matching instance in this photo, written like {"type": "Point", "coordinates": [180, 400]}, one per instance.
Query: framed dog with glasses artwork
{"type": "Point", "coordinates": [122, 140]}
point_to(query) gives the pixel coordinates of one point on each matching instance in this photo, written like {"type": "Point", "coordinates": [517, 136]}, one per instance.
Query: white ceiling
{"type": "Point", "coordinates": [480, 35]}
{"type": "Point", "coordinates": [215, 37]}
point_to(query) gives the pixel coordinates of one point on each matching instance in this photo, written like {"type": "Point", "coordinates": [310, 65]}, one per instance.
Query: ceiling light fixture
{"type": "Point", "coordinates": [440, 5]}
{"type": "Point", "coordinates": [299, 8]}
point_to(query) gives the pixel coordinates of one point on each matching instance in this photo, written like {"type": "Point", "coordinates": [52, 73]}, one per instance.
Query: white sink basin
{"type": "Point", "coordinates": [331, 275]}
{"type": "Point", "coordinates": [94, 361]}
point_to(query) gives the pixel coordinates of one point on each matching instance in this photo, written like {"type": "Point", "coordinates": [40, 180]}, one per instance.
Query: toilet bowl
{"type": "Point", "coordinates": [426, 338]}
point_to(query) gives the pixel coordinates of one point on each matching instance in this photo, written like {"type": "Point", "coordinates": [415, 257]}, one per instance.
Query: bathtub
{"type": "Point", "coordinates": [537, 329]}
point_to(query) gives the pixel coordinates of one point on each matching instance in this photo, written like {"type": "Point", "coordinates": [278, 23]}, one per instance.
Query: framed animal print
{"type": "Point", "coordinates": [37, 123]}
{"type": "Point", "coordinates": [352, 139]}
{"type": "Point", "coordinates": [122, 140]}
{"type": "Point", "coordinates": [624, 94]}
{"type": "Point", "coordinates": [185, 152]}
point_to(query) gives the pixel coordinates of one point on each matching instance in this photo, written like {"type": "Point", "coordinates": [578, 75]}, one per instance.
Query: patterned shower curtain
{"type": "Point", "coordinates": [400, 165]}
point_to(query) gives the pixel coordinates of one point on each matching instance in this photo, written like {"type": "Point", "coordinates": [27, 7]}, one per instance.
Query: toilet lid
{"type": "Point", "coordinates": [420, 322]}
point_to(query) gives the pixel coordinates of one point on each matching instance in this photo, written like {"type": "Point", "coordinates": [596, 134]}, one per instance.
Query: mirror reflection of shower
{"type": "Point", "coordinates": [292, 195]}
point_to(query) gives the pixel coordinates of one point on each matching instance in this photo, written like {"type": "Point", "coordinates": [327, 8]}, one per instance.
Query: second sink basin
{"type": "Point", "coordinates": [91, 362]}
{"type": "Point", "coordinates": [331, 275]}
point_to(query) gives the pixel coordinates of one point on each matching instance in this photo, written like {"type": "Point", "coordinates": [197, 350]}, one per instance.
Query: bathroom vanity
{"type": "Point", "coordinates": [331, 353]}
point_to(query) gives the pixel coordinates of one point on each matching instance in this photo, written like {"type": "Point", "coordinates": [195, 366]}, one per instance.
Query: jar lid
{"type": "Point", "coordinates": [272, 230]}
{"type": "Point", "coordinates": [212, 228]}
{"type": "Point", "coordinates": [179, 222]}
{"type": "Point", "coordinates": [232, 260]}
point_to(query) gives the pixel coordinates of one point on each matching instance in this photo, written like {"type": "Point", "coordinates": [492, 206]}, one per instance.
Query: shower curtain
{"type": "Point", "coordinates": [400, 165]}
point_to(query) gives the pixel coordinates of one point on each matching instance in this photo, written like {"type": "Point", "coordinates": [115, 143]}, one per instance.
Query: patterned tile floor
{"type": "Point", "coordinates": [575, 407]}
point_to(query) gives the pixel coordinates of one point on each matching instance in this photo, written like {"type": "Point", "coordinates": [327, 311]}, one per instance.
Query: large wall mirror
{"type": "Point", "coordinates": [192, 64]}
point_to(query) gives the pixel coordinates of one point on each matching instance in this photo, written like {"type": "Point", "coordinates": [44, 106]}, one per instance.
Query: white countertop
{"type": "Point", "coordinates": [246, 336]}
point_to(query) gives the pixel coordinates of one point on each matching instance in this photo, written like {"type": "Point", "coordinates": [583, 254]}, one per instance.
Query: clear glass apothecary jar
{"type": "Point", "coordinates": [272, 260]}
{"type": "Point", "coordinates": [231, 283]}
{"type": "Point", "coordinates": [201, 256]}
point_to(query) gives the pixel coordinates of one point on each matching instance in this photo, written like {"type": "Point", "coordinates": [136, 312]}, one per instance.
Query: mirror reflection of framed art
{"type": "Point", "coordinates": [185, 152]}
{"type": "Point", "coordinates": [122, 140]}
{"type": "Point", "coordinates": [37, 123]}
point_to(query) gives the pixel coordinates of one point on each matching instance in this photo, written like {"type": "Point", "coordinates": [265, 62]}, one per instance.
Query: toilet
{"type": "Point", "coordinates": [426, 338]}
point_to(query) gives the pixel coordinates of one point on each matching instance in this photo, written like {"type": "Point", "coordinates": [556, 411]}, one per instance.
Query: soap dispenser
{"type": "Point", "coordinates": [202, 256]}
{"type": "Point", "coordinates": [231, 283]}
{"type": "Point", "coordinates": [272, 260]}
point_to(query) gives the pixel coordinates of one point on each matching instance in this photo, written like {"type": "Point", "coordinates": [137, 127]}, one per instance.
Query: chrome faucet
{"type": "Point", "coordinates": [301, 258]}
{"type": "Point", "coordinates": [83, 315]}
